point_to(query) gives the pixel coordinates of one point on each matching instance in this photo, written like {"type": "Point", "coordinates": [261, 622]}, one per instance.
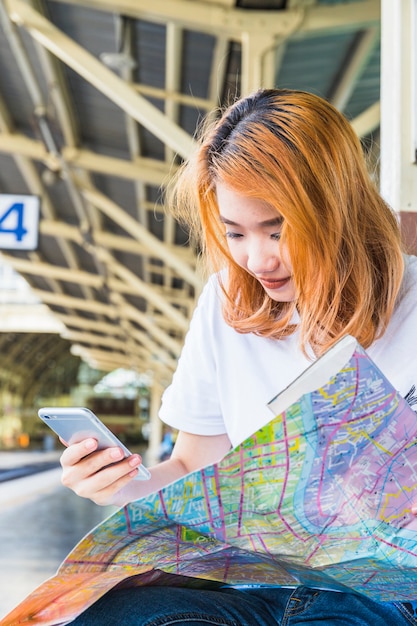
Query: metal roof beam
{"type": "Point", "coordinates": [142, 359]}
{"type": "Point", "coordinates": [232, 21]}
{"type": "Point", "coordinates": [183, 98]}
{"type": "Point", "coordinates": [6, 122]}
{"type": "Point", "coordinates": [131, 314]}
{"type": "Point", "coordinates": [148, 324]}
{"type": "Point", "coordinates": [58, 91]}
{"type": "Point", "coordinates": [69, 302]}
{"type": "Point", "coordinates": [109, 310]}
{"type": "Point", "coordinates": [98, 75]}
{"type": "Point", "coordinates": [173, 67]}
{"type": "Point", "coordinates": [368, 121]}
{"type": "Point", "coordinates": [144, 290]}
{"type": "Point", "coordinates": [39, 268]}
{"type": "Point", "coordinates": [62, 230]}
{"type": "Point", "coordinates": [79, 277]}
{"type": "Point", "coordinates": [103, 359]}
{"type": "Point", "coordinates": [154, 350]}
{"type": "Point", "coordinates": [354, 67]}
{"type": "Point", "coordinates": [149, 171]}
{"type": "Point", "coordinates": [26, 167]}
{"type": "Point", "coordinates": [153, 244]}
{"type": "Point", "coordinates": [93, 341]}
{"type": "Point", "coordinates": [86, 323]}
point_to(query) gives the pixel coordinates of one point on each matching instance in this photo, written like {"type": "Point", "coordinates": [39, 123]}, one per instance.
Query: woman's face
{"type": "Point", "coordinates": [253, 230]}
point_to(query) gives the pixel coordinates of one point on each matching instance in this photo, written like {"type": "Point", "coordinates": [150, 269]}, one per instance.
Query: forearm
{"type": "Point", "coordinates": [106, 477]}
{"type": "Point", "coordinates": [161, 475]}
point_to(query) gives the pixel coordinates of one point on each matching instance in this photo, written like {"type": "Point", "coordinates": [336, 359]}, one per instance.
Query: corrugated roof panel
{"type": "Point", "coordinates": [149, 50]}
{"type": "Point", "coordinates": [101, 122]}
{"type": "Point", "coordinates": [312, 64]}
{"type": "Point", "coordinates": [190, 117]}
{"type": "Point", "coordinates": [151, 146]}
{"type": "Point", "coordinates": [93, 30]}
{"type": "Point", "coordinates": [59, 196]}
{"type": "Point", "coordinates": [13, 92]}
{"type": "Point", "coordinates": [73, 289]}
{"type": "Point", "coordinates": [24, 102]}
{"type": "Point", "coordinates": [51, 251]}
{"type": "Point", "coordinates": [11, 179]}
{"type": "Point", "coordinates": [368, 88]}
{"type": "Point", "coordinates": [85, 259]}
{"type": "Point", "coordinates": [182, 237]}
{"type": "Point", "coordinates": [197, 57]}
{"type": "Point", "coordinates": [139, 303]}
{"type": "Point", "coordinates": [197, 60]}
{"type": "Point", "coordinates": [132, 261]}
{"type": "Point", "coordinates": [122, 192]}
{"type": "Point", "coordinates": [233, 76]}
{"type": "Point", "coordinates": [155, 224]}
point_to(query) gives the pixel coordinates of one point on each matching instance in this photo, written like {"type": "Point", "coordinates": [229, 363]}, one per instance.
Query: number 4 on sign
{"type": "Point", "coordinates": [15, 212]}
{"type": "Point", "coordinates": [19, 222]}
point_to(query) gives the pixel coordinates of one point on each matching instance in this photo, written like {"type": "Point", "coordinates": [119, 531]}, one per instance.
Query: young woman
{"type": "Point", "coordinates": [302, 250]}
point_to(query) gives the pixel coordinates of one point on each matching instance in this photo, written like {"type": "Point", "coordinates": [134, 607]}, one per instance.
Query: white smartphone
{"type": "Point", "coordinates": [73, 424]}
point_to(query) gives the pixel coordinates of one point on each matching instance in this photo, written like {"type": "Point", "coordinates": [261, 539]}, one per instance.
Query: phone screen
{"type": "Point", "coordinates": [73, 424]}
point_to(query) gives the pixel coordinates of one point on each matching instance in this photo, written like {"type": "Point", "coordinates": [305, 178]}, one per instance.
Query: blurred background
{"type": "Point", "coordinates": [99, 104]}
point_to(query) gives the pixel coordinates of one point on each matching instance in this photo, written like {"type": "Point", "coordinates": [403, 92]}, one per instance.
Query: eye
{"type": "Point", "coordinates": [276, 236]}
{"type": "Point", "coordinates": [230, 235]}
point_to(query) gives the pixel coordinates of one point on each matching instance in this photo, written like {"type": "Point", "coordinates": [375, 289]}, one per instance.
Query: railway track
{"type": "Point", "coordinates": [12, 473]}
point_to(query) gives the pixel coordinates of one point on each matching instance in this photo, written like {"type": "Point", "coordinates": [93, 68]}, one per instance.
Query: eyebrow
{"type": "Point", "coordinates": [275, 221]}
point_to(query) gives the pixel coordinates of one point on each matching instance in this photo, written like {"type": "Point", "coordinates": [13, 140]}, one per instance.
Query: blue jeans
{"type": "Point", "coordinates": [164, 606]}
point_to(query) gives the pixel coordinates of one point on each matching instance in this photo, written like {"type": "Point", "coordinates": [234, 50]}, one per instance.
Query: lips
{"type": "Point", "coordinates": [273, 283]}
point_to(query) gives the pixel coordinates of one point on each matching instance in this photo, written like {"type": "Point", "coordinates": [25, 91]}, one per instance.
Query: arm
{"type": "Point", "coordinates": [193, 393]}
{"type": "Point", "coordinates": [87, 471]}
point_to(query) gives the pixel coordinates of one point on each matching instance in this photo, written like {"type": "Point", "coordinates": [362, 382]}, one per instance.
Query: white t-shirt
{"type": "Point", "coordinates": [225, 379]}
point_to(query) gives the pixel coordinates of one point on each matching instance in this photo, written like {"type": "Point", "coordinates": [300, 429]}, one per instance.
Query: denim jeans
{"type": "Point", "coordinates": [163, 606]}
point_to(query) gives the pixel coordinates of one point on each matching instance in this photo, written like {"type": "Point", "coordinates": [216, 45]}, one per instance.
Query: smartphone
{"type": "Point", "coordinates": [73, 424]}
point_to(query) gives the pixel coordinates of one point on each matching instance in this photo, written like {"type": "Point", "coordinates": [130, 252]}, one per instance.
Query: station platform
{"type": "Point", "coordinates": [40, 522]}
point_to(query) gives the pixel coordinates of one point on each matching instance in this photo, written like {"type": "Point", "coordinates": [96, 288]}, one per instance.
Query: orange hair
{"type": "Point", "coordinates": [296, 152]}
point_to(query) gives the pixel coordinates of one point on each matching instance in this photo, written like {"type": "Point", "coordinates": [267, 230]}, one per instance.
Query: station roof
{"type": "Point", "coordinates": [99, 101]}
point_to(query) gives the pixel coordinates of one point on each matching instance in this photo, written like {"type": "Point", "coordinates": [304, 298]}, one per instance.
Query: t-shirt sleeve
{"type": "Point", "coordinates": [191, 402]}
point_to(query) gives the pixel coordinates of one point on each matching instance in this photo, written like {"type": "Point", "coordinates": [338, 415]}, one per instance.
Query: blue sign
{"type": "Point", "coordinates": [19, 222]}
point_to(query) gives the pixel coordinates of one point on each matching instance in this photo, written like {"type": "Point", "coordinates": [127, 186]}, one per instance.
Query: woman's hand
{"type": "Point", "coordinates": [98, 474]}
{"type": "Point", "coordinates": [106, 477]}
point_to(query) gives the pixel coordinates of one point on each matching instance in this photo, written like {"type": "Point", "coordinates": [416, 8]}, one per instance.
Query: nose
{"type": "Point", "coordinates": [263, 257]}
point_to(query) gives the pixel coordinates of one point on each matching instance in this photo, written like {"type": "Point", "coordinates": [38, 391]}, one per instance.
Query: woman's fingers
{"type": "Point", "coordinates": [78, 451]}
{"type": "Point", "coordinates": [97, 474]}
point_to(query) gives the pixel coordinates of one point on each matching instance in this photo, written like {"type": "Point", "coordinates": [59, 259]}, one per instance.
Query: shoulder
{"type": "Point", "coordinates": [206, 324]}
{"type": "Point", "coordinates": [410, 267]}
{"type": "Point", "coordinates": [394, 352]}
{"type": "Point", "coordinates": [209, 302]}
{"type": "Point", "coordinates": [408, 291]}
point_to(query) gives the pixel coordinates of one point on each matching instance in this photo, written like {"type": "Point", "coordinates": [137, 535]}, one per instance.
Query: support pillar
{"type": "Point", "coordinates": [155, 435]}
{"type": "Point", "coordinates": [399, 113]}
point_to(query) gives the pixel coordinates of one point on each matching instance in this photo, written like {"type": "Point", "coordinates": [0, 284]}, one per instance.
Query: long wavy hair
{"type": "Point", "coordinates": [296, 152]}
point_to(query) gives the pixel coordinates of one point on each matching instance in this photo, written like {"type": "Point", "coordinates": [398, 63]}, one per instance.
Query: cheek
{"type": "Point", "coordinates": [238, 254]}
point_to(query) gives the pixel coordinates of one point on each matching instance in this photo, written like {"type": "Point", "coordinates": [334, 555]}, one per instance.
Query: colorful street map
{"type": "Point", "coordinates": [321, 496]}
